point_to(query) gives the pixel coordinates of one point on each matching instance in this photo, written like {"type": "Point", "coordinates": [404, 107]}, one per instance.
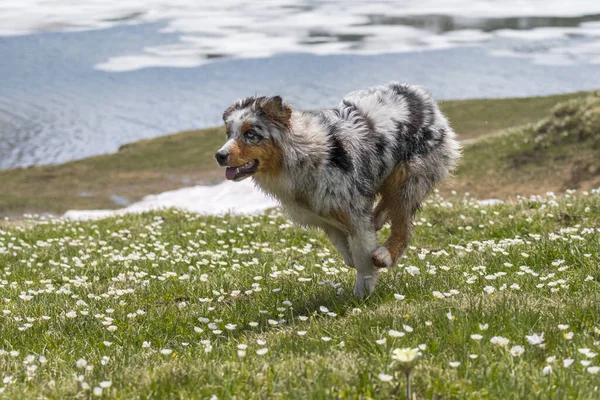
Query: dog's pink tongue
{"type": "Point", "coordinates": [230, 173]}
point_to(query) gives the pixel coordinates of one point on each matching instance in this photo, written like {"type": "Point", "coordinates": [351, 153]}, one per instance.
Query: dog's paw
{"type": "Point", "coordinates": [365, 284]}
{"type": "Point", "coordinates": [381, 258]}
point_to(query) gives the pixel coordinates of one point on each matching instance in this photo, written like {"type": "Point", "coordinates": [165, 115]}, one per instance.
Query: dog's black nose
{"type": "Point", "coordinates": [221, 157]}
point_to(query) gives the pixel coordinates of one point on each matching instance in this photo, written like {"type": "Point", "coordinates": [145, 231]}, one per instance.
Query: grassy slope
{"type": "Point", "coordinates": [184, 159]}
{"type": "Point", "coordinates": [558, 153]}
{"type": "Point", "coordinates": [179, 267]}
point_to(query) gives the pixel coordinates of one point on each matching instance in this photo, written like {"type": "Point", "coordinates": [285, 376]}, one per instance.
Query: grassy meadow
{"type": "Point", "coordinates": [501, 299]}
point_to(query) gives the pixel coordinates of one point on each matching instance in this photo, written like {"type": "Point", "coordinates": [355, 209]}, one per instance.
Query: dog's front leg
{"type": "Point", "coordinates": [340, 242]}
{"type": "Point", "coordinates": [362, 244]}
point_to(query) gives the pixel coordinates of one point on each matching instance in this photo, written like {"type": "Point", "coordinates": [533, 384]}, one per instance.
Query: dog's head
{"type": "Point", "coordinates": [254, 127]}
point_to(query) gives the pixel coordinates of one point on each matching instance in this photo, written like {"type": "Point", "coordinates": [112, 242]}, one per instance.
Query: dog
{"type": "Point", "coordinates": [328, 167]}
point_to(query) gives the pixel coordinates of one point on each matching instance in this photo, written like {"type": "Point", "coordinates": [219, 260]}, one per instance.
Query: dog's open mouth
{"type": "Point", "coordinates": [241, 172]}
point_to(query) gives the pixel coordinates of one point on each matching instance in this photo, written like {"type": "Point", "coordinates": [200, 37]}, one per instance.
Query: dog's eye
{"type": "Point", "coordinates": [251, 134]}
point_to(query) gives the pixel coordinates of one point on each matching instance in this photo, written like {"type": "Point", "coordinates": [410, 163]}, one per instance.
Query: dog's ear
{"type": "Point", "coordinates": [276, 110]}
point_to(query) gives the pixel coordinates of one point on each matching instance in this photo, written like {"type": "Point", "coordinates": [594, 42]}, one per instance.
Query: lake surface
{"type": "Point", "coordinates": [82, 80]}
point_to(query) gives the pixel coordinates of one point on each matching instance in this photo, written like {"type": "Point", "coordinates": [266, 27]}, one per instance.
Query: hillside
{"type": "Point", "coordinates": [560, 152]}
{"type": "Point", "coordinates": [185, 159]}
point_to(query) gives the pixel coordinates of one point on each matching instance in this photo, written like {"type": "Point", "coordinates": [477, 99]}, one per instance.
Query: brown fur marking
{"type": "Point", "coordinates": [390, 201]}
{"type": "Point", "coordinates": [269, 156]}
{"type": "Point", "coordinates": [276, 110]}
{"type": "Point", "coordinates": [246, 125]}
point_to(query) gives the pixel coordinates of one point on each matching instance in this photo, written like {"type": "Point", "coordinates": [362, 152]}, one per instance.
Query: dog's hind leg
{"type": "Point", "coordinates": [380, 215]}
{"type": "Point", "coordinates": [386, 256]}
{"type": "Point", "coordinates": [340, 241]}
{"type": "Point", "coordinates": [363, 241]}
{"type": "Point", "coordinates": [402, 195]}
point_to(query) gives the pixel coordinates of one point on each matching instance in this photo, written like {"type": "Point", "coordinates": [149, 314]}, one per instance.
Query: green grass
{"type": "Point", "coordinates": [177, 267]}
{"type": "Point", "coordinates": [185, 159]}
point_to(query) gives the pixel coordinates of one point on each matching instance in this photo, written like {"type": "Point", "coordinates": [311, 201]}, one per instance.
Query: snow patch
{"type": "Point", "coordinates": [225, 197]}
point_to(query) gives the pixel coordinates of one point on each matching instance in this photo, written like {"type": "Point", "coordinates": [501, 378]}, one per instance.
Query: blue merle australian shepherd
{"type": "Point", "coordinates": [327, 168]}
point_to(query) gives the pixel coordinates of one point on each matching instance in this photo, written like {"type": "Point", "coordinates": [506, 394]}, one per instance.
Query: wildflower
{"type": "Point", "coordinates": [593, 370]}
{"type": "Point", "coordinates": [166, 352]}
{"type": "Point", "coordinates": [450, 316]}
{"type": "Point", "coordinates": [398, 296]}
{"type": "Point", "coordinates": [71, 314]}
{"type": "Point", "coordinates": [326, 338]}
{"type": "Point", "coordinates": [477, 337]}
{"type": "Point", "coordinates": [483, 327]}
{"type": "Point", "coordinates": [563, 327]}
{"type": "Point", "coordinates": [536, 340]}
{"type": "Point", "coordinates": [385, 377]}
{"type": "Point", "coordinates": [567, 362]}
{"type": "Point", "coordinates": [412, 270]}
{"type": "Point", "coordinates": [112, 328]}
{"type": "Point", "coordinates": [395, 334]}
{"type": "Point", "coordinates": [105, 384]}
{"type": "Point", "coordinates": [301, 333]}
{"type": "Point", "coordinates": [547, 370]}
{"type": "Point", "coordinates": [97, 391]}
{"type": "Point", "coordinates": [81, 363]}
{"type": "Point", "coordinates": [381, 341]}
{"type": "Point", "coordinates": [406, 357]}
{"type": "Point", "coordinates": [146, 344]}
{"type": "Point", "coordinates": [568, 335]}
{"type": "Point", "coordinates": [407, 328]}
{"type": "Point", "coordinates": [587, 352]}
{"type": "Point", "coordinates": [428, 323]}
{"type": "Point", "coordinates": [262, 352]}
{"type": "Point", "coordinates": [473, 356]}
{"type": "Point", "coordinates": [454, 364]}
{"type": "Point", "coordinates": [517, 351]}
{"type": "Point", "coordinates": [500, 341]}
{"type": "Point", "coordinates": [489, 289]}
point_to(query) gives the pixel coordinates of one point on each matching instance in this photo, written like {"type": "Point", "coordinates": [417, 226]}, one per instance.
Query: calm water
{"type": "Point", "coordinates": [79, 81]}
